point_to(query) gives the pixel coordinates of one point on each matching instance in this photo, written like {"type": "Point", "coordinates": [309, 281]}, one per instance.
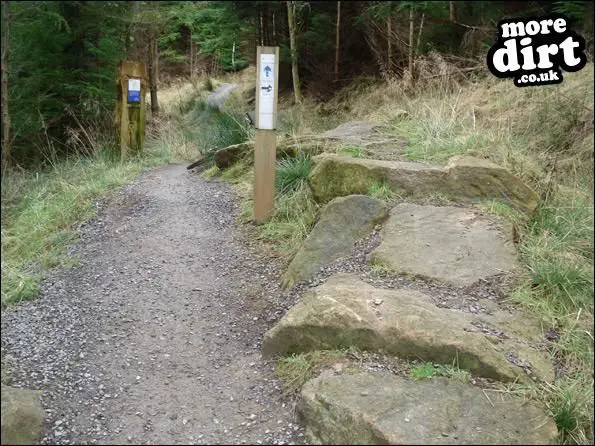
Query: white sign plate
{"type": "Point", "coordinates": [267, 91]}
{"type": "Point", "coordinates": [133, 84]}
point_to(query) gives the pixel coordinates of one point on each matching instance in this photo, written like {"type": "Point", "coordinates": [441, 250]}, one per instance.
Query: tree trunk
{"type": "Point", "coordinates": [134, 29]}
{"type": "Point", "coordinates": [274, 31]}
{"type": "Point", "coordinates": [294, 53]}
{"type": "Point", "coordinates": [261, 29]}
{"type": "Point", "coordinates": [337, 41]}
{"type": "Point", "coordinates": [411, 26]}
{"type": "Point", "coordinates": [191, 58]}
{"type": "Point", "coordinates": [5, 115]}
{"type": "Point", "coordinates": [389, 58]}
{"type": "Point", "coordinates": [451, 11]}
{"type": "Point", "coordinates": [419, 33]}
{"type": "Point", "coordinates": [153, 73]}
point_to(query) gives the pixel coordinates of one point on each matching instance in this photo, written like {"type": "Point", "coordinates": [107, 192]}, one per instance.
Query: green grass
{"type": "Point", "coordinates": [353, 151]}
{"type": "Point", "coordinates": [211, 172]}
{"type": "Point", "coordinates": [292, 174]}
{"type": "Point", "coordinates": [295, 370]}
{"type": "Point", "coordinates": [234, 172]}
{"type": "Point", "coordinates": [40, 211]}
{"type": "Point", "coordinates": [380, 267]}
{"type": "Point", "coordinates": [295, 214]}
{"type": "Point", "coordinates": [382, 191]}
{"type": "Point", "coordinates": [428, 370]}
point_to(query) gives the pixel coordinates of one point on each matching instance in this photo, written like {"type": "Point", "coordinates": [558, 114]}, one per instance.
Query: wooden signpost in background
{"type": "Point", "coordinates": [130, 109]}
{"type": "Point", "coordinates": [265, 148]}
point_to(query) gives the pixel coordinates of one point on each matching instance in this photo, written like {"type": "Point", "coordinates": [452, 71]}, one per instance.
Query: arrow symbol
{"type": "Point", "coordinates": [268, 88]}
{"type": "Point", "coordinates": [267, 70]}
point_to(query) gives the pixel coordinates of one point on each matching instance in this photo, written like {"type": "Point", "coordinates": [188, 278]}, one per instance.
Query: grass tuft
{"type": "Point", "coordinates": [429, 370]}
{"type": "Point", "coordinates": [295, 370]}
{"type": "Point", "coordinates": [353, 151]}
{"type": "Point", "coordinates": [382, 191]}
{"type": "Point", "coordinates": [292, 174]}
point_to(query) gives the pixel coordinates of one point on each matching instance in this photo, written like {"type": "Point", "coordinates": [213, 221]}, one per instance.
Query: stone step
{"type": "Point", "coordinates": [380, 408]}
{"type": "Point", "coordinates": [345, 312]}
{"type": "Point", "coordinates": [465, 179]}
{"type": "Point", "coordinates": [458, 246]}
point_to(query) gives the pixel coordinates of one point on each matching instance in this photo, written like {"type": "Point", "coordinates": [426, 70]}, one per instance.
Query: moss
{"type": "Point", "coordinates": [328, 181]}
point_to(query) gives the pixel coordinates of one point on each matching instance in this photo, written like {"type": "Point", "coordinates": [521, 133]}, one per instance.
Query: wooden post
{"type": "Point", "coordinates": [265, 150]}
{"type": "Point", "coordinates": [130, 112]}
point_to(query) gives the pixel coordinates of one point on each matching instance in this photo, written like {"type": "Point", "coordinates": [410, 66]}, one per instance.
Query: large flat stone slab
{"type": "Point", "coordinates": [367, 408]}
{"type": "Point", "coordinates": [464, 179]}
{"type": "Point", "coordinates": [346, 311]}
{"type": "Point", "coordinates": [342, 222]}
{"type": "Point", "coordinates": [449, 244]}
{"type": "Point", "coordinates": [22, 416]}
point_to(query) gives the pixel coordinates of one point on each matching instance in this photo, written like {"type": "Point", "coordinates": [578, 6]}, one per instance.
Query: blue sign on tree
{"type": "Point", "coordinates": [133, 91]}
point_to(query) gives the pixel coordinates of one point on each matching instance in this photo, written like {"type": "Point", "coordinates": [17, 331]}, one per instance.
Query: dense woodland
{"type": "Point", "coordinates": [59, 58]}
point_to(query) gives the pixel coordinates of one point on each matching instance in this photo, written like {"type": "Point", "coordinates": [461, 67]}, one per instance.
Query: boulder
{"type": "Point", "coordinates": [464, 179]}
{"type": "Point", "coordinates": [346, 311]}
{"type": "Point", "coordinates": [342, 222]}
{"type": "Point", "coordinates": [228, 156]}
{"type": "Point", "coordinates": [381, 408]}
{"type": "Point", "coordinates": [454, 245]}
{"type": "Point", "coordinates": [470, 178]}
{"type": "Point", "coordinates": [22, 416]}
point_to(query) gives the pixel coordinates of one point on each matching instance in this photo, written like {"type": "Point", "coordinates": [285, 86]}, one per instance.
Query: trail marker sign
{"type": "Point", "coordinates": [267, 60]}
{"type": "Point", "coordinates": [134, 91]}
{"type": "Point", "coordinates": [131, 85]}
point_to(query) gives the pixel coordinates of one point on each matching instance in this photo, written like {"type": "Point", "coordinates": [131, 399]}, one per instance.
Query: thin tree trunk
{"type": "Point", "coordinates": [389, 58]}
{"type": "Point", "coordinates": [274, 31]}
{"type": "Point", "coordinates": [5, 114]}
{"type": "Point", "coordinates": [261, 29]}
{"type": "Point", "coordinates": [337, 41]}
{"type": "Point", "coordinates": [233, 56]}
{"type": "Point", "coordinates": [153, 56]}
{"type": "Point", "coordinates": [411, 27]}
{"type": "Point", "coordinates": [419, 33]}
{"type": "Point", "coordinates": [451, 11]}
{"type": "Point", "coordinates": [134, 30]}
{"type": "Point", "coordinates": [294, 53]}
{"type": "Point", "coordinates": [191, 58]}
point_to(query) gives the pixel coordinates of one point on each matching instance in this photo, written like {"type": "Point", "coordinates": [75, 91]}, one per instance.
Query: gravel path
{"type": "Point", "coordinates": [154, 338]}
{"type": "Point", "coordinates": [220, 95]}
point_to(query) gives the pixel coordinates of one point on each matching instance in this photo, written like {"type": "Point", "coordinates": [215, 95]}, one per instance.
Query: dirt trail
{"type": "Point", "coordinates": [155, 337]}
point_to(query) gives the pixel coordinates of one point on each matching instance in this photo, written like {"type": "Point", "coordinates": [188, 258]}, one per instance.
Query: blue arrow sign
{"type": "Point", "coordinates": [267, 70]}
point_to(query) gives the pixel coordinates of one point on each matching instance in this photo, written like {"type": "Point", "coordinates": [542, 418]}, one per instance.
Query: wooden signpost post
{"type": "Point", "coordinates": [130, 111]}
{"type": "Point", "coordinates": [267, 66]}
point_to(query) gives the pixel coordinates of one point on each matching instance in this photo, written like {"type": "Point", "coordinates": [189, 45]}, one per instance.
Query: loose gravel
{"type": "Point", "coordinates": [154, 338]}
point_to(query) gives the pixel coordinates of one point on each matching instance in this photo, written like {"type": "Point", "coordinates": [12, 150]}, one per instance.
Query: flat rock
{"type": "Point", "coordinates": [342, 222]}
{"type": "Point", "coordinates": [344, 312]}
{"type": "Point", "coordinates": [351, 130]}
{"type": "Point", "coordinates": [366, 136]}
{"type": "Point", "coordinates": [379, 408]}
{"type": "Point", "coordinates": [464, 179]}
{"type": "Point", "coordinates": [449, 244]}
{"type": "Point", "coordinates": [22, 416]}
